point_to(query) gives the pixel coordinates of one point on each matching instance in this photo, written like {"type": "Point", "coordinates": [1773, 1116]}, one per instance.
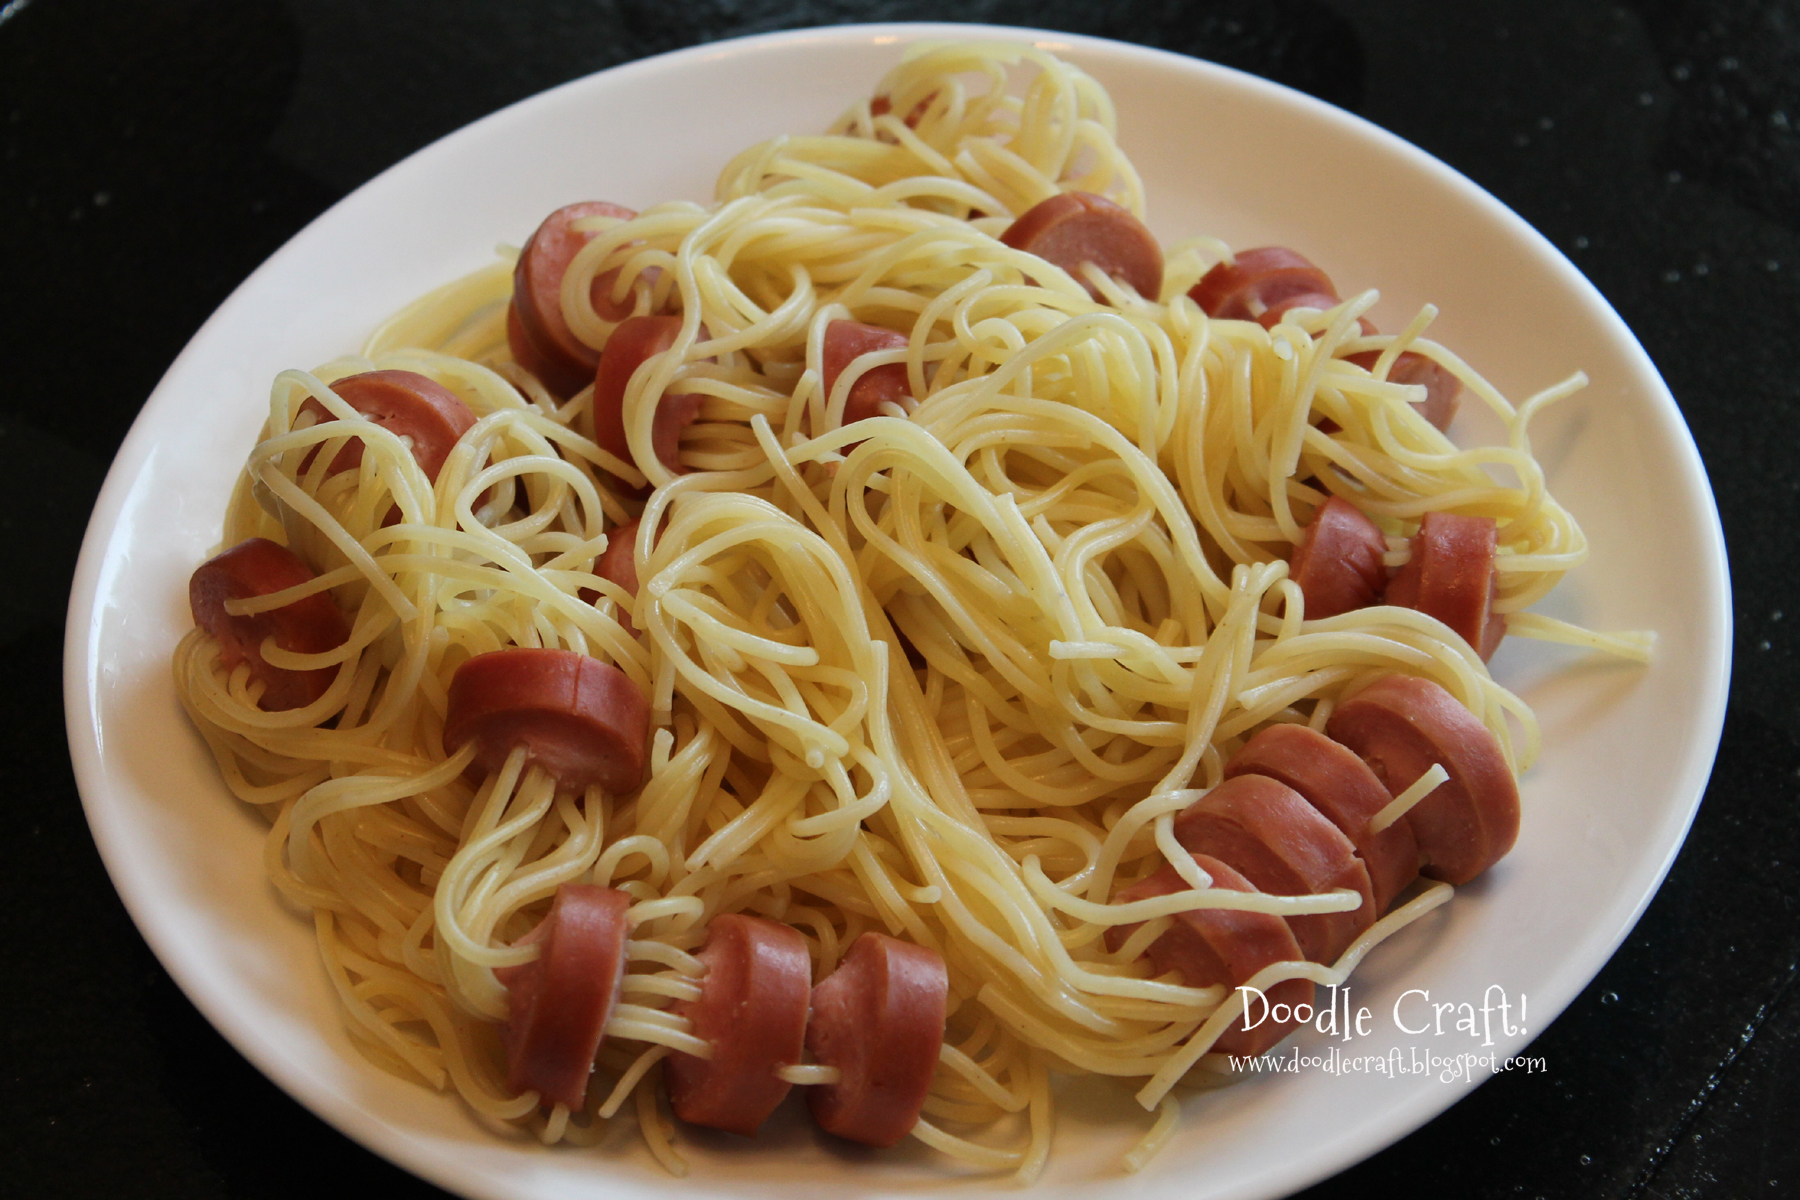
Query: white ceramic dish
{"type": "Point", "coordinates": [1627, 750]}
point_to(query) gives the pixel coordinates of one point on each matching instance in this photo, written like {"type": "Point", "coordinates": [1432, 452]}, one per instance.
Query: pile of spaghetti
{"type": "Point", "coordinates": [947, 672]}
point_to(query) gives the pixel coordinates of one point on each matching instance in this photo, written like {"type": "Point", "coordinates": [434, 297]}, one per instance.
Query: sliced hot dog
{"type": "Point", "coordinates": [880, 106]}
{"type": "Point", "coordinates": [1340, 785]}
{"type": "Point", "coordinates": [1285, 847]}
{"type": "Point", "coordinates": [1264, 283]}
{"type": "Point", "coordinates": [1072, 228]}
{"type": "Point", "coordinates": [879, 1019]}
{"type": "Point", "coordinates": [1220, 946]}
{"type": "Point", "coordinates": [1400, 726]}
{"type": "Point", "coordinates": [540, 338]}
{"type": "Point", "coordinates": [429, 415]}
{"type": "Point", "coordinates": [618, 563]}
{"type": "Point", "coordinates": [1273, 314]}
{"type": "Point", "coordinates": [1443, 390]}
{"type": "Point", "coordinates": [846, 341]}
{"type": "Point", "coordinates": [752, 1008]}
{"type": "Point", "coordinates": [1450, 575]}
{"type": "Point", "coordinates": [582, 720]}
{"type": "Point", "coordinates": [1338, 563]}
{"type": "Point", "coordinates": [1257, 280]}
{"type": "Point", "coordinates": [558, 1004]}
{"type": "Point", "coordinates": [633, 342]}
{"type": "Point", "coordinates": [312, 625]}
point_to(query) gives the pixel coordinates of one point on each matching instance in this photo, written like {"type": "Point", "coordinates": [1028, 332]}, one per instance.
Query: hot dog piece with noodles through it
{"type": "Point", "coordinates": [1259, 279]}
{"type": "Point", "coordinates": [879, 1019]}
{"type": "Point", "coordinates": [630, 346]}
{"type": "Point", "coordinates": [1278, 311]}
{"type": "Point", "coordinates": [558, 1004]}
{"type": "Point", "coordinates": [1283, 845]}
{"type": "Point", "coordinates": [1073, 228]}
{"type": "Point", "coordinates": [1401, 725]}
{"type": "Point", "coordinates": [1208, 946]}
{"type": "Point", "coordinates": [1450, 576]}
{"type": "Point", "coordinates": [845, 342]}
{"type": "Point", "coordinates": [1264, 283]}
{"type": "Point", "coordinates": [310, 625]}
{"type": "Point", "coordinates": [753, 1008]}
{"type": "Point", "coordinates": [582, 720]}
{"type": "Point", "coordinates": [536, 331]}
{"type": "Point", "coordinates": [881, 106]}
{"type": "Point", "coordinates": [1341, 786]}
{"type": "Point", "coordinates": [428, 415]}
{"type": "Point", "coordinates": [618, 562]}
{"type": "Point", "coordinates": [1443, 390]}
{"type": "Point", "coordinates": [1338, 563]}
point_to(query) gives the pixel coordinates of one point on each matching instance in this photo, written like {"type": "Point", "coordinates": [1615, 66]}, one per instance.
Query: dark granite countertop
{"type": "Point", "coordinates": [156, 152]}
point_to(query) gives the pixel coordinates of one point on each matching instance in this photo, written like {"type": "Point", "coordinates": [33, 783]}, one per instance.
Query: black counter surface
{"type": "Point", "coordinates": [155, 153]}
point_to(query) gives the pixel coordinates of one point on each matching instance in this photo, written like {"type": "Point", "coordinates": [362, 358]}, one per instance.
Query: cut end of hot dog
{"type": "Point", "coordinates": [753, 1008]}
{"type": "Point", "coordinates": [1284, 846]}
{"type": "Point", "coordinates": [1073, 228]}
{"type": "Point", "coordinates": [313, 625]}
{"type": "Point", "coordinates": [425, 412]}
{"type": "Point", "coordinates": [845, 342]}
{"type": "Point", "coordinates": [1450, 575]}
{"type": "Point", "coordinates": [559, 1003]}
{"type": "Point", "coordinates": [1443, 390]}
{"type": "Point", "coordinates": [1338, 563]}
{"type": "Point", "coordinates": [1258, 280]}
{"type": "Point", "coordinates": [538, 334]}
{"type": "Point", "coordinates": [634, 341]}
{"type": "Point", "coordinates": [618, 562]}
{"type": "Point", "coordinates": [879, 1019]}
{"type": "Point", "coordinates": [1341, 786]}
{"type": "Point", "coordinates": [1275, 313]}
{"type": "Point", "coordinates": [1221, 946]}
{"type": "Point", "coordinates": [581, 720]}
{"type": "Point", "coordinates": [1401, 725]}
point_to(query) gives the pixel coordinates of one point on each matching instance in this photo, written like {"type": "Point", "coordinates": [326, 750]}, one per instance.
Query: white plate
{"type": "Point", "coordinates": [1627, 750]}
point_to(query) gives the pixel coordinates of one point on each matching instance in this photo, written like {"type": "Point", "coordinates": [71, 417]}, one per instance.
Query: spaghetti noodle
{"type": "Point", "coordinates": [946, 674]}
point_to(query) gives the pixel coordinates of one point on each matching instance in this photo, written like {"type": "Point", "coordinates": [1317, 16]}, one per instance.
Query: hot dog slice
{"type": "Point", "coordinates": [1257, 280]}
{"type": "Point", "coordinates": [558, 1004]}
{"type": "Point", "coordinates": [580, 719]}
{"type": "Point", "coordinates": [1338, 563]}
{"type": "Point", "coordinates": [1450, 575]}
{"type": "Point", "coordinates": [312, 625]}
{"type": "Point", "coordinates": [1220, 946]}
{"type": "Point", "coordinates": [1400, 726]}
{"type": "Point", "coordinates": [752, 1008]}
{"type": "Point", "coordinates": [1340, 785]}
{"type": "Point", "coordinates": [634, 341]}
{"type": "Point", "coordinates": [880, 106]}
{"type": "Point", "coordinates": [618, 563]}
{"type": "Point", "coordinates": [1273, 314]}
{"type": "Point", "coordinates": [1072, 228]}
{"type": "Point", "coordinates": [879, 1019]}
{"type": "Point", "coordinates": [540, 338]}
{"type": "Point", "coordinates": [1285, 847]}
{"type": "Point", "coordinates": [430, 416]}
{"type": "Point", "coordinates": [1443, 390]}
{"type": "Point", "coordinates": [845, 341]}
